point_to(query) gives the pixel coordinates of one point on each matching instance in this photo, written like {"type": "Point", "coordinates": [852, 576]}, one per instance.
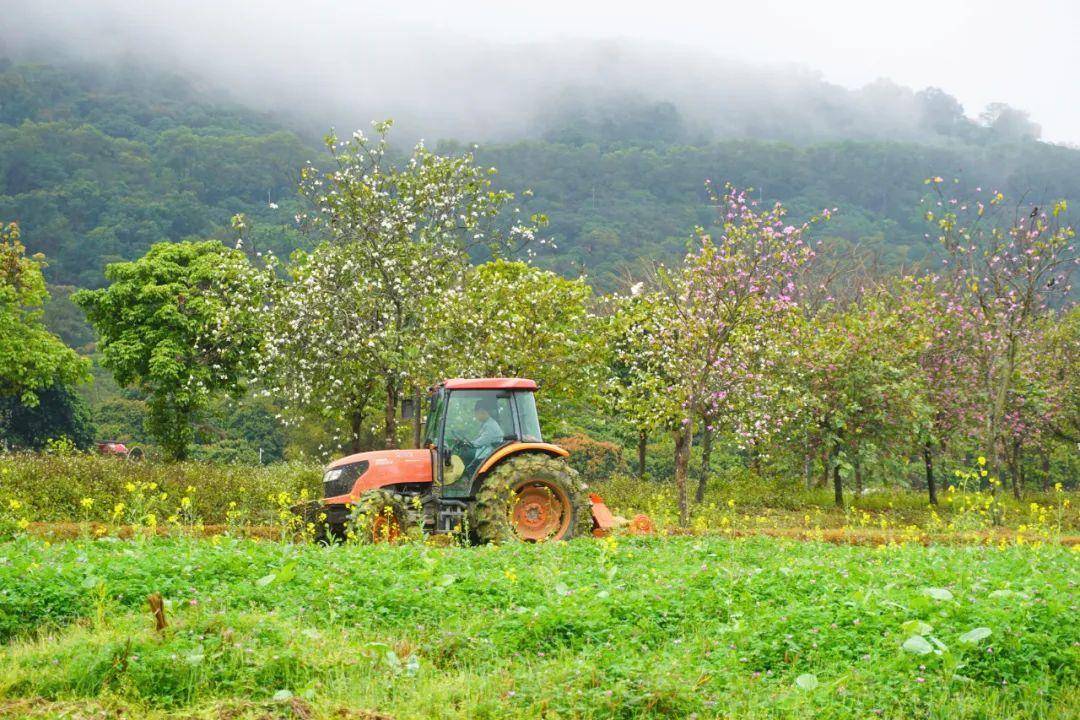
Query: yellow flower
{"type": "Point", "coordinates": [23, 523]}
{"type": "Point", "coordinates": [982, 460]}
{"type": "Point", "coordinates": [731, 503]}
{"type": "Point", "coordinates": [983, 473]}
{"type": "Point", "coordinates": [130, 487]}
{"type": "Point", "coordinates": [1057, 487]}
{"type": "Point", "coordinates": [87, 502]}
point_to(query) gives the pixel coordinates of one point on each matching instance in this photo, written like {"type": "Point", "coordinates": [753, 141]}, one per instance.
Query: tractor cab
{"type": "Point", "coordinates": [470, 421]}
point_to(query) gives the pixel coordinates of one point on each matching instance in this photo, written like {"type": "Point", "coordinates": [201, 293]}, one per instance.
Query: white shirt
{"type": "Point", "coordinates": [490, 433]}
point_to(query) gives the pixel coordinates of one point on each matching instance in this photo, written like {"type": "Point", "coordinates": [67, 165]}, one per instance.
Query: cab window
{"type": "Point", "coordinates": [527, 418]}
{"type": "Point", "coordinates": [479, 415]}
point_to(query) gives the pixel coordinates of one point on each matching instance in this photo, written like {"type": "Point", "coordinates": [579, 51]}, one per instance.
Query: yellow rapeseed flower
{"type": "Point", "coordinates": [982, 460]}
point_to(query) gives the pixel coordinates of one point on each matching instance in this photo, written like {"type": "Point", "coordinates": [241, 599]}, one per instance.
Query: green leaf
{"type": "Point", "coordinates": [266, 580]}
{"type": "Point", "coordinates": [916, 627]}
{"type": "Point", "coordinates": [917, 645]}
{"type": "Point", "coordinates": [282, 696]}
{"type": "Point", "coordinates": [807, 681]}
{"type": "Point", "coordinates": [938, 593]}
{"type": "Point", "coordinates": [562, 589]}
{"type": "Point", "coordinates": [287, 572]}
{"type": "Point", "coordinates": [973, 636]}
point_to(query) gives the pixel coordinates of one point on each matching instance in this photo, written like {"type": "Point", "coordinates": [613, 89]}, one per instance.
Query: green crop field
{"type": "Point", "coordinates": [615, 628]}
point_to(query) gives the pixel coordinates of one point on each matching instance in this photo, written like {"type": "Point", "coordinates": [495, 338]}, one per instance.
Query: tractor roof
{"type": "Point", "coordinates": [490, 384]}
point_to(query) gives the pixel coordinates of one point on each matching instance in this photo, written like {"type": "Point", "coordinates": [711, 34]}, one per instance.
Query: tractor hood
{"type": "Point", "coordinates": [347, 478]}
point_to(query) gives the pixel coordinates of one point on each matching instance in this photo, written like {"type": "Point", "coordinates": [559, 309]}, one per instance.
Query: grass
{"type": "Point", "coordinates": [615, 628]}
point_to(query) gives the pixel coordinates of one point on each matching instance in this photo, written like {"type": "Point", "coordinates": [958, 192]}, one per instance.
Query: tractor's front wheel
{"type": "Point", "coordinates": [378, 516]}
{"type": "Point", "coordinates": [531, 498]}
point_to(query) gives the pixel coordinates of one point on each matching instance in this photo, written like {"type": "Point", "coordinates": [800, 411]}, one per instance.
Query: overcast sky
{"type": "Point", "coordinates": [1025, 54]}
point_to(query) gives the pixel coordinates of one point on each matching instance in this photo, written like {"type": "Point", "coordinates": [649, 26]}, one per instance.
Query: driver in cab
{"type": "Point", "coordinates": [490, 433]}
{"type": "Point", "coordinates": [472, 452]}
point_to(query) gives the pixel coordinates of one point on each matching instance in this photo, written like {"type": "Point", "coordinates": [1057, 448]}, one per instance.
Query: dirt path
{"type": "Point", "coordinates": [836, 536]}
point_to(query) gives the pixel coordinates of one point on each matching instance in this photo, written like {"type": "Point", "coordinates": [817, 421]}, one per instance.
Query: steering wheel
{"type": "Point", "coordinates": [458, 443]}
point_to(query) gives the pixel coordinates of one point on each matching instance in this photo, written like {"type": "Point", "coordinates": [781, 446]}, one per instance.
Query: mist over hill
{"type": "Point", "coordinates": [346, 68]}
{"type": "Point", "coordinates": [115, 134]}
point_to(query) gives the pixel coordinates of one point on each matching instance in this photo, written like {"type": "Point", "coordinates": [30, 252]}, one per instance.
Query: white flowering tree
{"type": "Point", "coordinates": [638, 386]}
{"type": "Point", "coordinates": [356, 320]}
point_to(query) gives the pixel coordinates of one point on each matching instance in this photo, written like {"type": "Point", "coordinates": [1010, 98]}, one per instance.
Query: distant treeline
{"type": "Point", "coordinates": [96, 166]}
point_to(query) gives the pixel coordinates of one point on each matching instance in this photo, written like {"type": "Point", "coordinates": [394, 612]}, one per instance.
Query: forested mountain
{"type": "Point", "coordinates": [96, 164]}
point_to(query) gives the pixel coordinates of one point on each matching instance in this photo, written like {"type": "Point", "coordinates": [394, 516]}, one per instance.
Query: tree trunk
{"type": "Point", "coordinates": [838, 486]}
{"type": "Point", "coordinates": [928, 462]}
{"type": "Point", "coordinates": [390, 436]}
{"type": "Point", "coordinates": [808, 469]}
{"type": "Point", "coordinates": [706, 456]}
{"type": "Point", "coordinates": [683, 439]}
{"type": "Point", "coordinates": [1015, 461]}
{"type": "Point", "coordinates": [858, 477]}
{"type": "Point", "coordinates": [642, 443]}
{"type": "Point", "coordinates": [824, 481]}
{"type": "Point", "coordinates": [355, 421]}
{"type": "Point", "coordinates": [1045, 470]}
{"type": "Point", "coordinates": [995, 443]}
{"type": "Point", "coordinates": [417, 422]}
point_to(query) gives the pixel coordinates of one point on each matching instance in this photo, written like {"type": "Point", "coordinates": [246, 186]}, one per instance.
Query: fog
{"type": "Point", "coordinates": [481, 71]}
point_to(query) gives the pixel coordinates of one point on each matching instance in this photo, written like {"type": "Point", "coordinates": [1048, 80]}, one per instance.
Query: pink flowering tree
{"type": "Point", "coordinates": [712, 314]}
{"type": "Point", "coordinates": [856, 364]}
{"type": "Point", "coordinates": [944, 336]}
{"type": "Point", "coordinates": [1009, 265]}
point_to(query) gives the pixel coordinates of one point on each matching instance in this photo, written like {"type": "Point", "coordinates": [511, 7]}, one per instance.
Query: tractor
{"type": "Point", "coordinates": [482, 468]}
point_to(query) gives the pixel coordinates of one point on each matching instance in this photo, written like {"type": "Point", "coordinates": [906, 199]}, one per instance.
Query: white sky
{"type": "Point", "coordinates": [1025, 54]}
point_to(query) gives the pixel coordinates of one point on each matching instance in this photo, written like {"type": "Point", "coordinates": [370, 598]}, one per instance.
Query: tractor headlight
{"type": "Point", "coordinates": [340, 480]}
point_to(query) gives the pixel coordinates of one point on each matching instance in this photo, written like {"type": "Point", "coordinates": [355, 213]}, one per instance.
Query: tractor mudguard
{"type": "Point", "coordinates": [517, 447]}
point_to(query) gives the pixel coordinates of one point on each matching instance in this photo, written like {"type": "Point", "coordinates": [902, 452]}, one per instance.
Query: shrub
{"type": "Point", "coordinates": [596, 460]}
{"type": "Point", "coordinates": [53, 487]}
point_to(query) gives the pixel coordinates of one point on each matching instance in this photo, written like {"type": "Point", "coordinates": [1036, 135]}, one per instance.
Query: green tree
{"type": "Point", "coordinates": [31, 357]}
{"type": "Point", "coordinates": [509, 319]}
{"type": "Point", "coordinates": [161, 327]}
{"type": "Point", "coordinates": [59, 413]}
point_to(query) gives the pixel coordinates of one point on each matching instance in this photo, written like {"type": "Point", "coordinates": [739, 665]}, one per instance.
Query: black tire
{"type": "Point", "coordinates": [368, 520]}
{"type": "Point", "coordinates": [491, 516]}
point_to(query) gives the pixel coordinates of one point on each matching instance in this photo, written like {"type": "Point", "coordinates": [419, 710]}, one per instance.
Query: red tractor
{"type": "Point", "coordinates": [483, 468]}
{"type": "Point", "coordinates": [114, 448]}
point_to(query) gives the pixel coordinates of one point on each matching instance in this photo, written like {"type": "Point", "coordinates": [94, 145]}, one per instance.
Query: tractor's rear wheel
{"type": "Point", "coordinates": [378, 516]}
{"type": "Point", "coordinates": [531, 498]}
